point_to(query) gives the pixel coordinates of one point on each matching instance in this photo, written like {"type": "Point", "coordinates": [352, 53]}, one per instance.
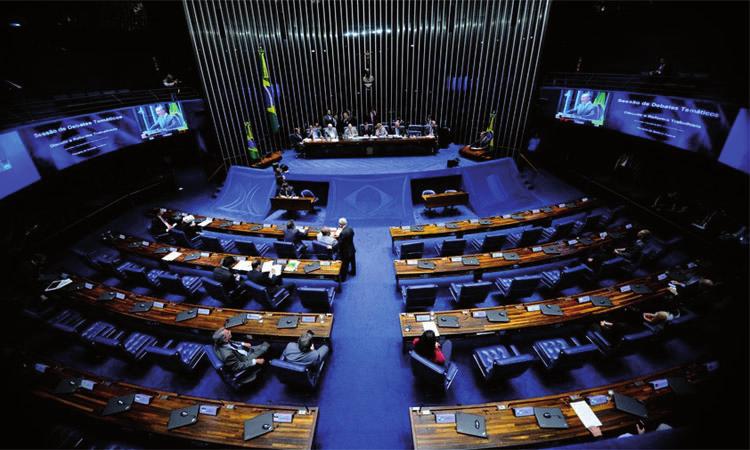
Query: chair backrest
{"type": "Point", "coordinates": [296, 374]}
{"type": "Point", "coordinates": [493, 242]}
{"type": "Point", "coordinates": [215, 289]}
{"type": "Point", "coordinates": [307, 193]}
{"type": "Point", "coordinates": [136, 274]}
{"type": "Point", "coordinates": [321, 250]}
{"type": "Point", "coordinates": [433, 374]}
{"type": "Point", "coordinates": [286, 249]}
{"type": "Point", "coordinates": [212, 243]}
{"type": "Point", "coordinates": [247, 248]}
{"type": "Point", "coordinates": [530, 236]}
{"type": "Point", "coordinates": [260, 294]}
{"type": "Point", "coordinates": [453, 247]}
{"type": "Point", "coordinates": [564, 229]}
{"type": "Point", "coordinates": [181, 238]}
{"type": "Point", "coordinates": [171, 282]}
{"type": "Point", "coordinates": [524, 285]}
{"type": "Point", "coordinates": [474, 292]}
{"type": "Point", "coordinates": [420, 296]}
{"type": "Point", "coordinates": [450, 191]}
{"type": "Point", "coordinates": [591, 222]}
{"type": "Point", "coordinates": [315, 298]}
{"type": "Point", "coordinates": [412, 250]}
{"type": "Point", "coordinates": [571, 275]}
{"type": "Point", "coordinates": [428, 192]}
{"type": "Point", "coordinates": [611, 266]}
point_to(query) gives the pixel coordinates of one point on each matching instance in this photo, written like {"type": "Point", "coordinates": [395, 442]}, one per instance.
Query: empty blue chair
{"type": "Point", "coordinates": [470, 293]}
{"type": "Point", "coordinates": [135, 345]}
{"type": "Point", "coordinates": [564, 352]}
{"type": "Point", "coordinates": [612, 214]}
{"type": "Point", "coordinates": [526, 237]}
{"type": "Point", "coordinates": [565, 278]}
{"type": "Point", "coordinates": [410, 250]}
{"type": "Point", "coordinates": [186, 285]}
{"type": "Point", "coordinates": [182, 240]}
{"type": "Point", "coordinates": [264, 297]}
{"type": "Point", "coordinates": [431, 374]}
{"type": "Point", "coordinates": [307, 193]}
{"type": "Point", "coordinates": [297, 375]}
{"type": "Point", "coordinates": [136, 274]}
{"type": "Point", "coordinates": [250, 248]}
{"type": "Point", "coordinates": [490, 243]}
{"type": "Point", "coordinates": [428, 192]}
{"type": "Point", "coordinates": [498, 362]}
{"type": "Point", "coordinates": [69, 321]}
{"type": "Point", "coordinates": [559, 231]}
{"type": "Point", "coordinates": [610, 268]}
{"type": "Point", "coordinates": [178, 356]}
{"type": "Point", "coordinates": [103, 336]}
{"type": "Point", "coordinates": [322, 251]}
{"type": "Point", "coordinates": [518, 287]}
{"type": "Point", "coordinates": [317, 298]}
{"type": "Point", "coordinates": [419, 297]}
{"type": "Point", "coordinates": [289, 250]}
{"type": "Point", "coordinates": [234, 380]}
{"type": "Point", "coordinates": [217, 245]}
{"type": "Point", "coordinates": [216, 290]}
{"type": "Point", "coordinates": [592, 222]}
{"type": "Point", "coordinates": [451, 247]}
{"type": "Point", "coordinates": [97, 260]}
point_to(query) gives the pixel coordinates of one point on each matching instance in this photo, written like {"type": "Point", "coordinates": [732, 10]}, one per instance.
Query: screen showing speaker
{"type": "Point", "coordinates": [582, 106]}
{"type": "Point", "coordinates": [17, 170]}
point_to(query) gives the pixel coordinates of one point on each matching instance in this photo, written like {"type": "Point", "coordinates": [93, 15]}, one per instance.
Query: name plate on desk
{"type": "Point", "coordinates": [445, 418]}
{"type": "Point", "coordinates": [283, 417]}
{"type": "Point", "coordinates": [209, 410]}
{"type": "Point", "coordinates": [423, 317]}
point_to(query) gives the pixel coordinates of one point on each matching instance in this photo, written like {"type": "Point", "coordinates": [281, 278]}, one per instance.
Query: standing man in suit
{"type": "Point", "coordinates": [329, 119]}
{"type": "Point", "coordinates": [304, 352]}
{"type": "Point", "coordinates": [239, 357]}
{"type": "Point", "coordinates": [296, 138]}
{"type": "Point", "coordinates": [346, 248]}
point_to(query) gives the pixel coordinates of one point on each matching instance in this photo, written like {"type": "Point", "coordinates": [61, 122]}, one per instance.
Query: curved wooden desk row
{"type": "Point", "coordinates": [537, 254]}
{"type": "Point", "coordinates": [236, 227]}
{"type": "Point", "coordinates": [329, 270]}
{"type": "Point", "coordinates": [474, 321]}
{"type": "Point", "coordinates": [162, 313]}
{"type": "Point", "coordinates": [543, 214]}
{"type": "Point", "coordinates": [504, 429]}
{"type": "Point", "coordinates": [225, 428]}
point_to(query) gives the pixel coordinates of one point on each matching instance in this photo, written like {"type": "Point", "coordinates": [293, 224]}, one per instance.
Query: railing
{"type": "Point", "coordinates": [19, 111]}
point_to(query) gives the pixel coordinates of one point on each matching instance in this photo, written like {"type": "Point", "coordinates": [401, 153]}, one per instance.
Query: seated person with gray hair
{"type": "Point", "coordinates": [188, 226]}
{"type": "Point", "coordinates": [303, 351]}
{"type": "Point", "coordinates": [239, 357]}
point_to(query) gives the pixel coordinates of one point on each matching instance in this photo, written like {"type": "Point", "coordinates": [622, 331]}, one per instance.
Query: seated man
{"type": "Point", "coordinates": [380, 130]}
{"type": "Point", "coordinates": [188, 226]}
{"type": "Point", "coordinates": [314, 131]}
{"type": "Point", "coordinates": [296, 138]}
{"type": "Point", "coordinates": [612, 331]}
{"type": "Point", "coordinates": [330, 132]}
{"type": "Point", "coordinates": [223, 274]}
{"type": "Point", "coordinates": [238, 356]}
{"type": "Point", "coordinates": [286, 190]}
{"type": "Point", "coordinates": [265, 279]}
{"type": "Point", "coordinates": [634, 252]}
{"type": "Point", "coordinates": [350, 131]}
{"type": "Point", "coordinates": [660, 317]}
{"type": "Point", "coordinates": [293, 235]}
{"type": "Point", "coordinates": [159, 224]}
{"type": "Point", "coordinates": [303, 351]}
{"type": "Point", "coordinates": [325, 237]}
{"type": "Point", "coordinates": [397, 131]}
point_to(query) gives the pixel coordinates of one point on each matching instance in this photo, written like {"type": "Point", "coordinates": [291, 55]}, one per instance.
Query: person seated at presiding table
{"type": "Point", "coordinates": [286, 190]}
{"type": "Point", "coordinates": [296, 138]}
{"type": "Point", "coordinates": [266, 279]}
{"type": "Point", "coordinates": [380, 130]}
{"type": "Point", "coordinates": [397, 131]}
{"type": "Point", "coordinates": [428, 347]}
{"type": "Point", "coordinates": [159, 224]}
{"type": "Point", "coordinates": [239, 356]}
{"type": "Point", "coordinates": [313, 132]}
{"type": "Point", "coordinates": [188, 226]}
{"type": "Point", "coordinates": [350, 131]}
{"type": "Point", "coordinates": [485, 137]}
{"type": "Point", "coordinates": [632, 253]}
{"type": "Point", "coordinates": [330, 132]}
{"type": "Point", "coordinates": [303, 351]}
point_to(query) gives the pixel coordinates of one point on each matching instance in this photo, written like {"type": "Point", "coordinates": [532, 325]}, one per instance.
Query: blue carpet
{"type": "Point", "coordinates": [368, 387]}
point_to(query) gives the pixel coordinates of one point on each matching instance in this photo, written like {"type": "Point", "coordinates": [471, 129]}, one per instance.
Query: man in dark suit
{"type": "Point", "coordinates": [187, 225]}
{"type": "Point", "coordinates": [347, 252]}
{"type": "Point", "coordinates": [223, 274]}
{"type": "Point", "coordinates": [296, 138]}
{"type": "Point", "coordinates": [241, 359]}
{"type": "Point", "coordinates": [295, 236]}
{"type": "Point", "coordinates": [267, 280]}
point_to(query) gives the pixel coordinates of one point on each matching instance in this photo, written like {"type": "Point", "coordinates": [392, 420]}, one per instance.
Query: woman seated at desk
{"type": "Point", "coordinates": [428, 347]}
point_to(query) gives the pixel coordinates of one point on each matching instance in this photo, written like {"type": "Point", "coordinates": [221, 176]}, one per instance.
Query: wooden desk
{"type": "Point", "coordinates": [366, 146]}
{"type": "Point", "coordinates": [211, 260]}
{"type": "Point", "coordinates": [445, 199]}
{"type": "Point", "coordinates": [203, 324]}
{"type": "Point", "coordinates": [224, 429]}
{"type": "Point", "coordinates": [542, 215]}
{"type": "Point", "coordinates": [476, 153]}
{"type": "Point", "coordinates": [267, 160]}
{"type": "Point", "coordinates": [506, 430]}
{"type": "Point", "coordinates": [450, 266]}
{"type": "Point", "coordinates": [522, 319]}
{"type": "Point", "coordinates": [236, 227]}
{"type": "Point", "coordinates": [293, 203]}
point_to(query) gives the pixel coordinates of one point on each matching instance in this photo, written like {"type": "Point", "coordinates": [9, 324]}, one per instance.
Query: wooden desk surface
{"type": "Point", "coordinates": [238, 227]}
{"type": "Point", "coordinates": [205, 324]}
{"type": "Point", "coordinates": [445, 199]}
{"type": "Point", "coordinates": [123, 243]}
{"type": "Point", "coordinates": [293, 203]}
{"type": "Point", "coordinates": [448, 266]}
{"type": "Point", "coordinates": [225, 428]}
{"type": "Point", "coordinates": [521, 318]}
{"type": "Point", "coordinates": [506, 430]}
{"type": "Point", "coordinates": [493, 223]}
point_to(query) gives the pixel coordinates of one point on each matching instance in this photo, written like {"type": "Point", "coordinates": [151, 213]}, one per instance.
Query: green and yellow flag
{"type": "Point", "coordinates": [273, 119]}
{"type": "Point", "coordinates": [252, 150]}
{"type": "Point", "coordinates": [491, 127]}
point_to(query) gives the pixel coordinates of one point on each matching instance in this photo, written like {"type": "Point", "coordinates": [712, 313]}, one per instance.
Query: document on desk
{"type": "Point", "coordinates": [586, 414]}
{"type": "Point", "coordinates": [430, 326]}
{"type": "Point", "coordinates": [172, 256]}
{"type": "Point", "coordinates": [206, 222]}
{"type": "Point", "coordinates": [267, 266]}
{"type": "Point", "coordinates": [291, 266]}
{"type": "Point", "coordinates": [244, 266]}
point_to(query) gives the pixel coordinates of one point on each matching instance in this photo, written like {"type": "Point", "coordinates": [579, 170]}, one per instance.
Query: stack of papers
{"type": "Point", "coordinates": [430, 326]}
{"type": "Point", "coordinates": [244, 266]}
{"type": "Point", "coordinates": [206, 222]}
{"type": "Point", "coordinates": [172, 256]}
{"type": "Point", "coordinates": [291, 266]}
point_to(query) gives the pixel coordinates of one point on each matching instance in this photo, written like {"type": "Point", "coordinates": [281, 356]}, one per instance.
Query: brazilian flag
{"type": "Point", "coordinates": [601, 102]}
{"type": "Point", "coordinates": [273, 119]}
{"type": "Point", "coordinates": [490, 129]}
{"type": "Point", "coordinates": [251, 148]}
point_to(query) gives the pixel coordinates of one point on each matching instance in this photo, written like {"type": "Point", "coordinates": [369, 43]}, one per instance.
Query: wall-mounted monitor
{"type": "Point", "coordinates": [17, 170]}
{"type": "Point", "coordinates": [582, 106]}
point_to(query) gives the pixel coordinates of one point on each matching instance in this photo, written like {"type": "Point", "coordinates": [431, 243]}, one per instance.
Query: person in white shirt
{"type": "Point", "coordinates": [380, 130]}
{"type": "Point", "coordinates": [330, 132]}
{"type": "Point", "coordinates": [350, 131]}
{"type": "Point", "coordinates": [324, 236]}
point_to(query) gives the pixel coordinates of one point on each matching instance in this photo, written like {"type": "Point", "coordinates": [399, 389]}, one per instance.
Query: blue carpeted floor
{"type": "Point", "coordinates": [368, 386]}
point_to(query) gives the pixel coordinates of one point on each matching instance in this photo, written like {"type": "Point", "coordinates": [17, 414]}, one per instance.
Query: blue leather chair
{"type": "Point", "coordinates": [322, 251]}
{"type": "Point", "coordinates": [470, 293]}
{"type": "Point", "coordinates": [433, 375]}
{"type": "Point", "coordinates": [289, 250]}
{"type": "Point", "coordinates": [68, 321]}
{"type": "Point", "coordinates": [419, 297]}
{"type": "Point", "coordinates": [410, 250]}
{"type": "Point", "coordinates": [498, 362]}
{"type": "Point", "coordinates": [428, 192]}
{"type": "Point", "coordinates": [98, 260]}
{"type": "Point", "coordinates": [490, 243]}
{"type": "Point", "coordinates": [135, 345]}
{"type": "Point", "coordinates": [629, 342]}
{"type": "Point", "coordinates": [298, 375]}
{"type": "Point", "coordinates": [138, 275]}
{"type": "Point", "coordinates": [518, 287]}
{"type": "Point", "coordinates": [307, 193]}
{"type": "Point", "coordinates": [103, 336]}
{"type": "Point", "coordinates": [451, 247]}
{"type": "Point", "coordinates": [250, 248]}
{"type": "Point", "coordinates": [186, 285]}
{"type": "Point", "coordinates": [264, 297]}
{"type": "Point", "coordinates": [610, 268]}
{"type": "Point", "coordinates": [233, 380]}
{"type": "Point", "coordinates": [182, 240]}
{"type": "Point", "coordinates": [559, 231]}
{"type": "Point", "coordinates": [217, 245]}
{"type": "Point", "coordinates": [564, 352]}
{"type": "Point", "coordinates": [317, 298]}
{"type": "Point", "coordinates": [216, 290]}
{"type": "Point", "coordinates": [592, 222]}
{"type": "Point", "coordinates": [526, 237]}
{"type": "Point", "coordinates": [178, 356]}
{"type": "Point", "coordinates": [565, 278]}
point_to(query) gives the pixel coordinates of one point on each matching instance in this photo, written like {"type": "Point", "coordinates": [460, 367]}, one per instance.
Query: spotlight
{"type": "Point", "coordinates": [15, 24]}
